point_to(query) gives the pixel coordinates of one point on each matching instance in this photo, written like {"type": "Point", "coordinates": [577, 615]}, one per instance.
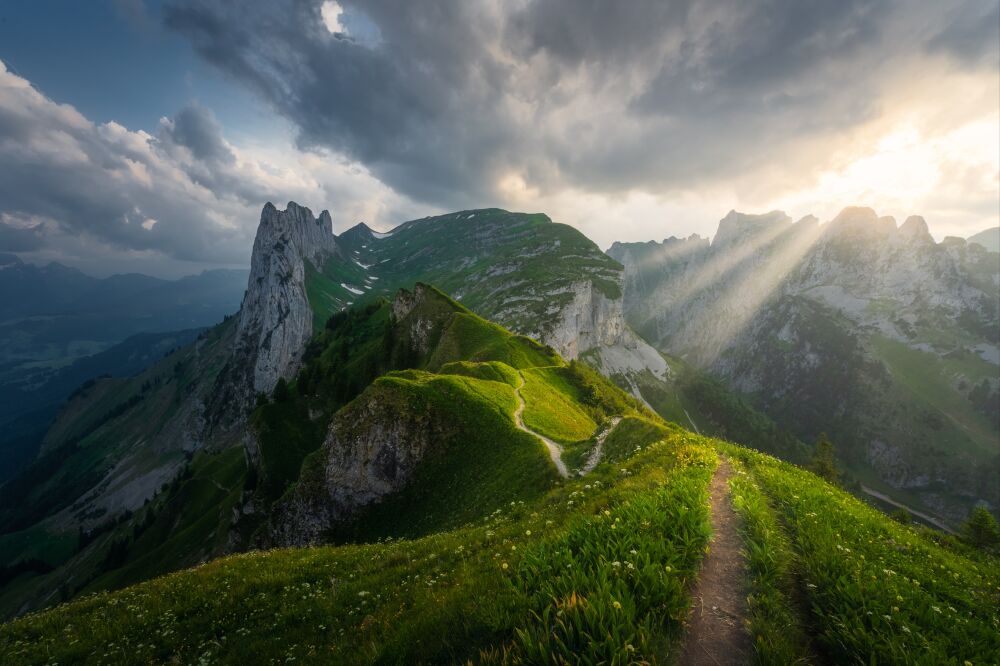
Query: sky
{"type": "Point", "coordinates": [146, 135]}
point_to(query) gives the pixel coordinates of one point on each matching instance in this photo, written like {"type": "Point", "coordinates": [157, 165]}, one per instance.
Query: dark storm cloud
{"type": "Point", "coordinates": [603, 95]}
{"type": "Point", "coordinates": [195, 128]}
{"type": "Point", "coordinates": [972, 32]}
{"type": "Point", "coordinates": [106, 196]}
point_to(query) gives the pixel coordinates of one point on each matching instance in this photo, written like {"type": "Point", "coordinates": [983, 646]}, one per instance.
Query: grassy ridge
{"type": "Point", "coordinates": [776, 630]}
{"type": "Point", "coordinates": [626, 543]}
{"type": "Point", "coordinates": [478, 459]}
{"type": "Point", "coordinates": [552, 406]}
{"type": "Point", "coordinates": [880, 592]}
{"type": "Point", "coordinates": [471, 338]}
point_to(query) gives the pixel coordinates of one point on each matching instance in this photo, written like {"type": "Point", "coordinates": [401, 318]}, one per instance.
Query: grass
{"type": "Point", "coordinates": [609, 556]}
{"type": "Point", "coordinates": [552, 406]}
{"type": "Point", "coordinates": [472, 338]}
{"type": "Point", "coordinates": [633, 432]}
{"type": "Point", "coordinates": [324, 291]}
{"type": "Point", "coordinates": [496, 371]}
{"type": "Point", "coordinates": [187, 525]}
{"type": "Point", "coordinates": [776, 631]}
{"type": "Point", "coordinates": [880, 592]}
{"type": "Point", "coordinates": [477, 460]}
{"type": "Point", "coordinates": [928, 379]}
{"type": "Point", "coordinates": [479, 257]}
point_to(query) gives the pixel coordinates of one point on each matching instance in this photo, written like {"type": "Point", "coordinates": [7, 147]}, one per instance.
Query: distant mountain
{"type": "Point", "coordinates": [877, 335]}
{"type": "Point", "coordinates": [193, 429]}
{"type": "Point", "coordinates": [990, 239]}
{"type": "Point", "coordinates": [31, 405]}
{"type": "Point", "coordinates": [53, 318]}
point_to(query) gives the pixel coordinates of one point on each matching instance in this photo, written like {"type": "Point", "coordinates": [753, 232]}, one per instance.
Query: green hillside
{"type": "Point", "coordinates": [486, 554]}
{"type": "Point", "coordinates": [593, 569]}
{"type": "Point", "coordinates": [479, 257]}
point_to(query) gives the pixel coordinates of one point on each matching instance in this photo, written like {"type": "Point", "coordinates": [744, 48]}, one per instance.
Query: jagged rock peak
{"type": "Point", "coordinates": [359, 231]}
{"type": "Point", "coordinates": [737, 227]}
{"type": "Point", "coordinates": [297, 222]}
{"type": "Point", "coordinates": [861, 221]}
{"type": "Point", "coordinates": [275, 321]}
{"type": "Point", "coordinates": [915, 228]}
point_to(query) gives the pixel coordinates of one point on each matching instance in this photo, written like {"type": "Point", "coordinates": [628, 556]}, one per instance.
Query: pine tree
{"type": "Point", "coordinates": [981, 529]}
{"type": "Point", "coordinates": [824, 463]}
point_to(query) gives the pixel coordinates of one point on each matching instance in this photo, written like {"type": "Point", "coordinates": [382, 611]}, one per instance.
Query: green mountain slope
{"type": "Point", "coordinates": [517, 269]}
{"type": "Point", "coordinates": [423, 440]}
{"type": "Point", "coordinates": [596, 568]}
{"type": "Point", "coordinates": [175, 434]}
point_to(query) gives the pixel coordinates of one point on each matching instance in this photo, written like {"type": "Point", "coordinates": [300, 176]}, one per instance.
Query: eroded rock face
{"type": "Point", "coordinates": [588, 320]}
{"type": "Point", "coordinates": [370, 451]}
{"type": "Point", "coordinates": [275, 321]}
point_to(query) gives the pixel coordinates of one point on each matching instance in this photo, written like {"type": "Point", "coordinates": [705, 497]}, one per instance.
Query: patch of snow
{"type": "Point", "coordinates": [353, 290]}
{"type": "Point", "coordinates": [364, 266]}
{"type": "Point", "coordinates": [372, 277]}
{"type": "Point", "coordinates": [380, 235]}
{"type": "Point", "coordinates": [471, 215]}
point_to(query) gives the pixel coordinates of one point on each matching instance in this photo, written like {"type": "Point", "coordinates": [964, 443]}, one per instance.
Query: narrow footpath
{"type": "Point", "coordinates": [715, 633]}
{"type": "Point", "coordinates": [555, 451]}
{"type": "Point", "coordinates": [598, 450]}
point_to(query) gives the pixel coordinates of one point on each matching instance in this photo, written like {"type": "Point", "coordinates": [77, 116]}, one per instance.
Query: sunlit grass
{"type": "Point", "coordinates": [615, 551]}
{"type": "Point", "coordinates": [880, 592]}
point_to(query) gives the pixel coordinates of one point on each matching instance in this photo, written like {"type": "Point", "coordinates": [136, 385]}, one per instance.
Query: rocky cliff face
{"type": "Point", "coordinates": [873, 332]}
{"type": "Point", "coordinates": [275, 321]}
{"type": "Point", "coordinates": [370, 451]}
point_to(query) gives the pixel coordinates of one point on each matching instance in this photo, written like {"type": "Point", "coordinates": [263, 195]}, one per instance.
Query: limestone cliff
{"type": "Point", "coordinates": [874, 333]}
{"type": "Point", "coordinates": [275, 321]}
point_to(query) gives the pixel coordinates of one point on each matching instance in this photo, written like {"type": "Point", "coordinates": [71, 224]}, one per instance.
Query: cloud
{"type": "Point", "coordinates": [195, 128]}
{"type": "Point", "coordinates": [103, 195]}
{"type": "Point", "coordinates": [19, 234]}
{"type": "Point", "coordinates": [459, 98]}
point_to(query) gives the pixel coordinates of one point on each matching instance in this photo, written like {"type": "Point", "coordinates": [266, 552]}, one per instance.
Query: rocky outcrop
{"type": "Point", "coordinates": [586, 319]}
{"type": "Point", "coordinates": [370, 451]}
{"type": "Point", "coordinates": [275, 321]}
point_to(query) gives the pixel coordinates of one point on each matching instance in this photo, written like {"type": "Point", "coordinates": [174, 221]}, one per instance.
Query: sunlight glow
{"type": "Point", "coordinates": [331, 12]}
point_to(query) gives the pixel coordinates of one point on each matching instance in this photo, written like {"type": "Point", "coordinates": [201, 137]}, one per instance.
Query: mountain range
{"type": "Point", "coordinates": [466, 383]}
{"type": "Point", "coordinates": [869, 332]}
{"type": "Point", "coordinates": [60, 327]}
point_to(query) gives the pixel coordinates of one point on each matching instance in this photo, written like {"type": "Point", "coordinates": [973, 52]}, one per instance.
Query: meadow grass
{"type": "Point", "coordinates": [775, 626]}
{"type": "Point", "coordinates": [880, 592]}
{"type": "Point", "coordinates": [552, 407]}
{"type": "Point", "coordinates": [607, 557]}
